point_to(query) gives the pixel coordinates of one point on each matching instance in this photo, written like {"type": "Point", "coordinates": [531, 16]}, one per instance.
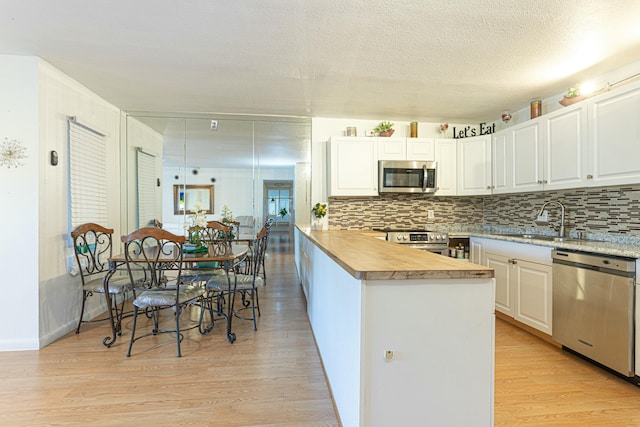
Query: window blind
{"type": "Point", "coordinates": [87, 175]}
{"type": "Point", "coordinates": [146, 188]}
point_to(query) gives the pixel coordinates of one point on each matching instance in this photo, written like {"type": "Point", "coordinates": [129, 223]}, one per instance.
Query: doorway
{"type": "Point", "coordinates": [278, 202]}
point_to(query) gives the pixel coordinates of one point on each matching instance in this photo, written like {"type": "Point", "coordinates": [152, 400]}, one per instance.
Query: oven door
{"type": "Point", "coordinates": [436, 249]}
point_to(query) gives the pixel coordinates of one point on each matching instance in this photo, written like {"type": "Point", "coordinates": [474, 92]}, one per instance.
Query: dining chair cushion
{"type": "Point", "coordinates": [117, 285]}
{"type": "Point", "coordinates": [245, 282]}
{"type": "Point", "coordinates": [167, 297]}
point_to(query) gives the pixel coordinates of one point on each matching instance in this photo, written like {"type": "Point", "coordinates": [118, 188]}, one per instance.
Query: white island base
{"type": "Point", "coordinates": [409, 352]}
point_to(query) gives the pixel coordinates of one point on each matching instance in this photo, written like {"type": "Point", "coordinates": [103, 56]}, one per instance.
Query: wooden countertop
{"type": "Point", "coordinates": [368, 258]}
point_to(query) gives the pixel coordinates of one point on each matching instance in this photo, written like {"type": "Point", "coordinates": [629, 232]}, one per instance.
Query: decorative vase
{"type": "Point", "coordinates": [194, 238]}
{"type": "Point", "coordinates": [317, 223]}
{"type": "Point", "coordinates": [386, 132]}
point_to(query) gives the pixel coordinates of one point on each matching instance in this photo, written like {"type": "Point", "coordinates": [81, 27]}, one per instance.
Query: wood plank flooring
{"type": "Point", "coordinates": [273, 377]}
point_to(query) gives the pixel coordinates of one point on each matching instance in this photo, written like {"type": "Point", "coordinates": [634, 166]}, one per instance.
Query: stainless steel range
{"type": "Point", "coordinates": [420, 239]}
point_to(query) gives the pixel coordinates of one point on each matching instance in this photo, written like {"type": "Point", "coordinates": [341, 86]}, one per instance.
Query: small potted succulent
{"type": "Point", "coordinates": [384, 129]}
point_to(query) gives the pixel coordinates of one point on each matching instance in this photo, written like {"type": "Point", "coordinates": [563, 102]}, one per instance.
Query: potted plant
{"type": "Point", "coordinates": [384, 128]}
{"type": "Point", "coordinates": [573, 95]}
{"type": "Point", "coordinates": [319, 210]}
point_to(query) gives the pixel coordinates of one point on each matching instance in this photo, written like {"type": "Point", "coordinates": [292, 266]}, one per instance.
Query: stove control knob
{"type": "Point", "coordinates": [438, 237]}
{"type": "Point", "coordinates": [405, 237]}
{"type": "Point", "coordinates": [399, 237]}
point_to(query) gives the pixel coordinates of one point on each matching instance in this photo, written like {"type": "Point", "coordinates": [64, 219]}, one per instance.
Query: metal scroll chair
{"type": "Point", "coordinates": [160, 254]}
{"type": "Point", "coordinates": [248, 283]}
{"type": "Point", "coordinates": [267, 225]}
{"type": "Point", "coordinates": [217, 238]}
{"type": "Point", "coordinates": [92, 244]}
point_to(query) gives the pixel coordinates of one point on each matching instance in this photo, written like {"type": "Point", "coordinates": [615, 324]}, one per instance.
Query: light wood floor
{"type": "Point", "coordinates": [273, 377]}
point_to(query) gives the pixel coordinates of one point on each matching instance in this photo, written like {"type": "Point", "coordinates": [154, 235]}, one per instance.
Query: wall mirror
{"type": "Point", "coordinates": [187, 197]}
{"type": "Point", "coordinates": [240, 155]}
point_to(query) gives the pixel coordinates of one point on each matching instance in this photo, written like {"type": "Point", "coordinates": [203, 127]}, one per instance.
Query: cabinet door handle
{"type": "Point", "coordinates": [539, 182]}
{"type": "Point", "coordinates": [589, 176]}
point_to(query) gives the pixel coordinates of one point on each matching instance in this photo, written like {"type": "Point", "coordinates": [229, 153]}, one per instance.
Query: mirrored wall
{"type": "Point", "coordinates": [253, 167]}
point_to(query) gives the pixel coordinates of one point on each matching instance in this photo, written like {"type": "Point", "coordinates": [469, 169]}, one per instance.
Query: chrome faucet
{"type": "Point", "coordinates": [562, 211]}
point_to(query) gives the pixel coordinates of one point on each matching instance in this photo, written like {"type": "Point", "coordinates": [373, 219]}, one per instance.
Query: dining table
{"type": "Point", "coordinates": [236, 252]}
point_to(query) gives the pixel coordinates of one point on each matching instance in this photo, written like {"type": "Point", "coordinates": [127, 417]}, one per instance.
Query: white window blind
{"type": "Point", "coordinates": [87, 175]}
{"type": "Point", "coordinates": [146, 188]}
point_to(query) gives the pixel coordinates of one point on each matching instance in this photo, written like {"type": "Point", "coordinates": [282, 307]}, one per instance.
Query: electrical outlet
{"type": "Point", "coordinates": [431, 214]}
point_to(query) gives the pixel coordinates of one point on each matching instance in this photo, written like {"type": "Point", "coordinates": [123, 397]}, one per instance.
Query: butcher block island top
{"type": "Point", "coordinates": [365, 257]}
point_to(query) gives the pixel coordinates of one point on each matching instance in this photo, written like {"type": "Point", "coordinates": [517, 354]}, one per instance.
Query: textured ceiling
{"type": "Point", "coordinates": [439, 60]}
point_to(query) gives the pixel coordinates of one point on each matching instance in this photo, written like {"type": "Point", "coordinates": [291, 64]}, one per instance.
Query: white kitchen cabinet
{"type": "Point", "coordinates": [405, 148]}
{"type": "Point", "coordinates": [500, 161]}
{"type": "Point", "coordinates": [353, 166]}
{"type": "Point", "coordinates": [420, 149]}
{"type": "Point", "coordinates": [565, 148]}
{"type": "Point", "coordinates": [637, 329]}
{"type": "Point", "coordinates": [476, 251]}
{"type": "Point", "coordinates": [392, 148]}
{"type": "Point", "coordinates": [445, 154]}
{"type": "Point", "coordinates": [523, 276]}
{"type": "Point", "coordinates": [526, 157]}
{"type": "Point", "coordinates": [614, 137]}
{"type": "Point", "coordinates": [504, 289]}
{"type": "Point", "coordinates": [547, 153]}
{"type": "Point", "coordinates": [533, 294]}
{"type": "Point", "coordinates": [474, 165]}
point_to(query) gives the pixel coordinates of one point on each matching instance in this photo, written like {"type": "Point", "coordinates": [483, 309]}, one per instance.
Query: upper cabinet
{"type": "Point", "coordinates": [353, 166]}
{"type": "Point", "coordinates": [565, 148]}
{"type": "Point", "coordinates": [420, 149]}
{"type": "Point", "coordinates": [445, 155]}
{"type": "Point", "coordinates": [526, 169]}
{"type": "Point", "coordinates": [614, 137]}
{"type": "Point", "coordinates": [392, 148]}
{"type": "Point", "coordinates": [405, 148]}
{"type": "Point", "coordinates": [546, 153]}
{"type": "Point", "coordinates": [474, 165]}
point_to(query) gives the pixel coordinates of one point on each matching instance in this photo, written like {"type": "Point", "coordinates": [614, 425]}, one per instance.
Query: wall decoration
{"type": "Point", "coordinates": [469, 131]}
{"type": "Point", "coordinates": [11, 153]}
{"type": "Point", "coordinates": [186, 197]}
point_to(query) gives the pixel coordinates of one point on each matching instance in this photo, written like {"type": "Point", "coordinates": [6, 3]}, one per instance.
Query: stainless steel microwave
{"type": "Point", "coordinates": [406, 176]}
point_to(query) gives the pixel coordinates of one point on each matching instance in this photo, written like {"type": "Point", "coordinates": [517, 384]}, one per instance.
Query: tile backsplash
{"type": "Point", "coordinates": [602, 210]}
{"type": "Point", "coordinates": [406, 211]}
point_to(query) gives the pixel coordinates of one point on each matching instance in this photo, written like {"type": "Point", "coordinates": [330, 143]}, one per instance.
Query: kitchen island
{"type": "Point", "coordinates": [406, 337]}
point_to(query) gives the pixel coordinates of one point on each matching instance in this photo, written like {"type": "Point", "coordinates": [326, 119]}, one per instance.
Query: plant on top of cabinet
{"type": "Point", "coordinates": [384, 128]}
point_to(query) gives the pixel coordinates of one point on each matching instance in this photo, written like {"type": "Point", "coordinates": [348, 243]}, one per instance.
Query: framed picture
{"type": "Point", "coordinates": [185, 197]}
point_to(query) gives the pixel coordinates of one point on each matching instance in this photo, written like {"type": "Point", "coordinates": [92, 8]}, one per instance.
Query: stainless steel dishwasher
{"type": "Point", "coordinates": [593, 307]}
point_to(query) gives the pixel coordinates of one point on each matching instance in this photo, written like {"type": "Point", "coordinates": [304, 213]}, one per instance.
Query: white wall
{"type": "Point", "coordinates": [19, 228]}
{"type": "Point", "coordinates": [60, 97]}
{"type": "Point", "coordinates": [42, 298]}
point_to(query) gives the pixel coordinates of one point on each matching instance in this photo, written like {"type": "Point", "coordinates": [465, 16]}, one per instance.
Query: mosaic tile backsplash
{"type": "Point", "coordinates": [603, 210]}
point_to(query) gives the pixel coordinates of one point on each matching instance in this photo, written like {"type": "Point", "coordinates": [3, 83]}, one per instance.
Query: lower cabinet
{"type": "Point", "coordinates": [523, 280]}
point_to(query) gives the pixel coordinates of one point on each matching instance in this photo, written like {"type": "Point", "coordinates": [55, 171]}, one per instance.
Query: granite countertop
{"type": "Point", "coordinates": [367, 258]}
{"type": "Point", "coordinates": [621, 248]}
